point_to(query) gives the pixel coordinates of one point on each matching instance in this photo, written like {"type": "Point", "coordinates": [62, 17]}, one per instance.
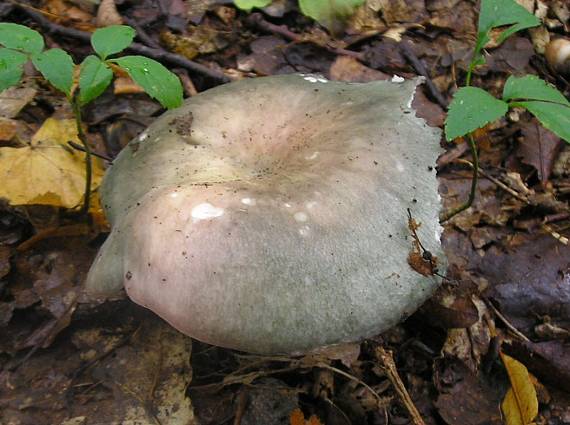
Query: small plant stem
{"type": "Point", "coordinates": [469, 72]}
{"type": "Point", "coordinates": [88, 171]}
{"type": "Point", "coordinates": [447, 215]}
{"type": "Point", "coordinates": [472, 145]}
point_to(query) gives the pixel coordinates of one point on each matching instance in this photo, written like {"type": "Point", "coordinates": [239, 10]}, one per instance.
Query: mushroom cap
{"type": "Point", "coordinates": [269, 215]}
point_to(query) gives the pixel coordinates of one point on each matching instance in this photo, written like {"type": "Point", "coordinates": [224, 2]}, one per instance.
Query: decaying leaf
{"type": "Point", "coordinates": [8, 129]}
{"type": "Point", "coordinates": [539, 147]}
{"type": "Point", "coordinates": [47, 171]}
{"type": "Point", "coordinates": [298, 418]}
{"type": "Point", "coordinates": [13, 100]}
{"type": "Point", "coordinates": [107, 14]}
{"type": "Point", "coordinates": [520, 405]}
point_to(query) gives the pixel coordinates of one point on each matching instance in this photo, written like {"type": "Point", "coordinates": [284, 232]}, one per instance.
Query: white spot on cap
{"type": "Point", "coordinates": [397, 79]}
{"type": "Point", "coordinates": [143, 136]}
{"type": "Point", "coordinates": [248, 201]}
{"type": "Point", "coordinates": [301, 216]}
{"type": "Point", "coordinates": [312, 156]}
{"type": "Point", "coordinates": [315, 79]}
{"type": "Point", "coordinates": [399, 166]}
{"type": "Point", "coordinates": [304, 231]}
{"type": "Point", "coordinates": [311, 204]}
{"type": "Point", "coordinates": [174, 194]}
{"type": "Point", "coordinates": [206, 211]}
{"type": "Point", "coordinates": [287, 205]}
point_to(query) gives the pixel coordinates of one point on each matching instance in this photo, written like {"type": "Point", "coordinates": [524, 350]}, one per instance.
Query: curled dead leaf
{"type": "Point", "coordinates": [520, 405]}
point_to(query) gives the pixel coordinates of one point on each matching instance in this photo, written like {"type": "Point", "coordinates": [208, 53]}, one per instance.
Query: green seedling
{"type": "Point", "coordinates": [22, 44]}
{"type": "Point", "coordinates": [473, 108]}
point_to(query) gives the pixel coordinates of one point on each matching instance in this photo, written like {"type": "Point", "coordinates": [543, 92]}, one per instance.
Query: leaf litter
{"type": "Point", "coordinates": [66, 360]}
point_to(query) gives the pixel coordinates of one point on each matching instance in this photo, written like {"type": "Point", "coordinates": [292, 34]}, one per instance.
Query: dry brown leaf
{"type": "Point", "coordinates": [298, 418]}
{"type": "Point", "coordinates": [107, 14]}
{"type": "Point", "coordinates": [7, 129]}
{"type": "Point", "coordinates": [14, 99]}
{"type": "Point", "coordinates": [125, 85]}
{"type": "Point", "coordinates": [47, 171]}
{"type": "Point", "coordinates": [62, 12]}
{"type": "Point", "coordinates": [539, 148]}
{"type": "Point", "coordinates": [520, 405]}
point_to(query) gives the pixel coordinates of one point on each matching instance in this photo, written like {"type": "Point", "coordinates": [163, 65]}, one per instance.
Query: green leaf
{"type": "Point", "coordinates": [247, 5]}
{"type": "Point", "coordinates": [22, 38]}
{"type": "Point", "coordinates": [11, 67]}
{"type": "Point", "coordinates": [57, 67]}
{"type": "Point", "coordinates": [472, 108]}
{"type": "Point", "coordinates": [530, 87]}
{"type": "Point", "coordinates": [330, 13]}
{"type": "Point", "coordinates": [498, 13]}
{"type": "Point", "coordinates": [154, 78]}
{"type": "Point", "coordinates": [94, 77]}
{"type": "Point", "coordinates": [553, 116]}
{"type": "Point", "coordinates": [112, 39]}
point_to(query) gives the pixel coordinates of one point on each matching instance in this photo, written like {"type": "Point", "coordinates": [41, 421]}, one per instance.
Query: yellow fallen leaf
{"type": "Point", "coordinates": [520, 405]}
{"type": "Point", "coordinates": [97, 213]}
{"type": "Point", "coordinates": [47, 171]}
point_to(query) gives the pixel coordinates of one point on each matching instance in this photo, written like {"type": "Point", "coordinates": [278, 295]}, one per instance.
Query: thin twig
{"type": "Point", "coordinates": [387, 360]}
{"type": "Point", "coordinates": [508, 324]}
{"type": "Point", "coordinates": [475, 165]}
{"type": "Point", "coordinates": [88, 165]}
{"type": "Point", "coordinates": [241, 405]}
{"type": "Point", "coordinates": [420, 68]}
{"type": "Point", "coordinates": [82, 149]}
{"type": "Point", "coordinates": [544, 226]}
{"type": "Point", "coordinates": [257, 20]}
{"type": "Point", "coordinates": [354, 379]}
{"type": "Point", "coordinates": [154, 53]}
{"type": "Point", "coordinates": [497, 182]}
{"type": "Point", "coordinates": [141, 33]}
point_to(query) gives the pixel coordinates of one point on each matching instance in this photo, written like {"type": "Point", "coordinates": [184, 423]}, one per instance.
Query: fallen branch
{"type": "Point", "coordinates": [256, 19]}
{"type": "Point", "coordinates": [153, 53]}
{"type": "Point", "coordinates": [387, 361]}
{"type": "Point", "coordinates": [420, 68]}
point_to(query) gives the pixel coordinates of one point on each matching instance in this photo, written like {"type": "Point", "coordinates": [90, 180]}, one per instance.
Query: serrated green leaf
{"type": "Point", "coordinates": [20, 37]}
{"type": "Point", "coordinates": [112, 39]}
{"type": "Point", "coordinates": [530, 87]}
{"type": "Point", "coordinates": [472, 108]}
{"type": "Point", "coordinates": [57, 67]}
{"type": "Point", "coordinates": [329, 13]}
{"type": "Point", "coordinates": [553, 116]}
{"type": "Point", "coordinates": [247, 5]}
{"type": "Point", "coordinates": [154, 78]}
{"type": "Point", "coordinates": [94, 77]}
{"type": "Point", "coordinates": [498, 13]}
{"type": "Point", "coordinates": [11, 67]}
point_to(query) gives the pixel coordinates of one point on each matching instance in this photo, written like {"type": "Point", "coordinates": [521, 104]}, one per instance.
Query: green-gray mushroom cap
{"type": "Point", "coordinates": [269, 215]}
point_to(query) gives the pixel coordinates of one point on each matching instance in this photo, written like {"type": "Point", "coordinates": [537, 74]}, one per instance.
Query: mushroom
{"type": "Point", "coordinates": [558, 55]}
{"type": "Point", "coordinates": [269, 215]}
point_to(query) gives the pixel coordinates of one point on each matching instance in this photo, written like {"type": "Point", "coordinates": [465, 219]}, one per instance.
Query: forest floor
{"type": "Point", "coordinates": [66, 360]}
